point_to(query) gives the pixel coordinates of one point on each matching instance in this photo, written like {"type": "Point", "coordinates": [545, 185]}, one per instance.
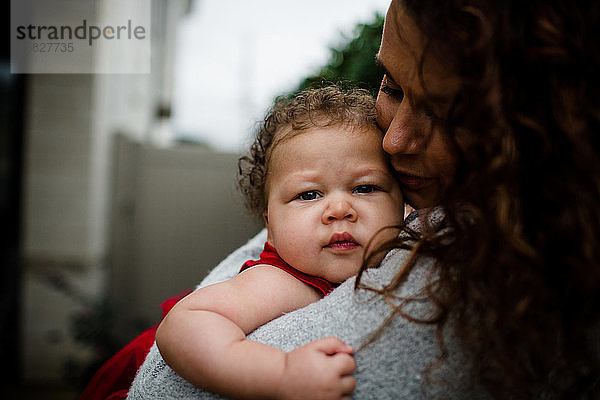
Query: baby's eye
{"type": "Point", "coordinates": [365, 189]}
{"type": "Point", "coordinates": [309, 195]}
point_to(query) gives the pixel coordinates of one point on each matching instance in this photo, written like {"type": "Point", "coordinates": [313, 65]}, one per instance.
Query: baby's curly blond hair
{"type": "Point", "coordinates": [289, 116]}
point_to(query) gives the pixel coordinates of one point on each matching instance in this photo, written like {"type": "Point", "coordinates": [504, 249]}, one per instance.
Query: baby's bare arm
{"type": "Point", "coordinates": [203, 337]}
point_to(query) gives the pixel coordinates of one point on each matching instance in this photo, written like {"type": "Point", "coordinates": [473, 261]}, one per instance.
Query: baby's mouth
{"type": "Point", "coordinates": [342, 242]}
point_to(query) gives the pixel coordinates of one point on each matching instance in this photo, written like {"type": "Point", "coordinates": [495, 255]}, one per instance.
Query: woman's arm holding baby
{"type": "Point", "coordinates": [204, 340]}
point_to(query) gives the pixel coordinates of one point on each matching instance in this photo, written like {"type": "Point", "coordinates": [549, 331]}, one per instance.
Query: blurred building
{"type": "Point", "coordinates": [112, 218]}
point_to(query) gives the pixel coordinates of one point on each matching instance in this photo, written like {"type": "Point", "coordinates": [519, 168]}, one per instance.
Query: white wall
{"type": "Point", "coordinates": [176, 214]}
{"type": "Point", "coordinates": [71, 121]}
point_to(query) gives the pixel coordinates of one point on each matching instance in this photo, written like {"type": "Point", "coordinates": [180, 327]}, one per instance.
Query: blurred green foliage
{"type": "Point", "coordinates": [352, 63]}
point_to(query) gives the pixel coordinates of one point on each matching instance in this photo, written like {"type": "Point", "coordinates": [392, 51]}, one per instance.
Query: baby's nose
{"type": "Point", "coordinates": [339, 209]}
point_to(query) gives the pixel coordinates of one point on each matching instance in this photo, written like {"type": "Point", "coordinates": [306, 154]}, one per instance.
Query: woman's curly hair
{"type": "Point", "coordinates": [520, 274]}
{"type": "Point", "coordinates": [291, 115]}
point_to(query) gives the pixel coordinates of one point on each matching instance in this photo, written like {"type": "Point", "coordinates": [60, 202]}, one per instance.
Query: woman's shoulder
{"type": "Point", "coordinates": [230, 266]}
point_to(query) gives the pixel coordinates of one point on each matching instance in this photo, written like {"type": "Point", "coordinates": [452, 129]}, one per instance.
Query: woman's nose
{"type": "Point", "coordinates": [339, 209]}
{"type": "Point", "coordinates": [404, 131]}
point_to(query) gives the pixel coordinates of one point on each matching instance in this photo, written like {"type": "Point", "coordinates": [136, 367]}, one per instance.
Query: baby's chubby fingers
{"type": "Point", "coordinates": [332, 345]}
{"type": "Point", "coordinates": [321, 369]}
{"type": "Point", "coordinates": [340, 358]}
{"type": "Point", "coordinates": [348, 384]}
{"type": "Point", "coordinates": [343, 363]}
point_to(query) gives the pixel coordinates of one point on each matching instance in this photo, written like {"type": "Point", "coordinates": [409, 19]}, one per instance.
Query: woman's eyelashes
{"type": "Point", "coordinates": [396, 94]}
{"type": "Point", "coordinates": [392, 90]}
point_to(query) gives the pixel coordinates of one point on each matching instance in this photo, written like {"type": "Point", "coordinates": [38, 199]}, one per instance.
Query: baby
{"type": "Point", "coordinates": [319, 177]}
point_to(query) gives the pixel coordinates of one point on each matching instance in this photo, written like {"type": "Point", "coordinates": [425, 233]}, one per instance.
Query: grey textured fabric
{"type": "Point", "coordinates": [391, 367]}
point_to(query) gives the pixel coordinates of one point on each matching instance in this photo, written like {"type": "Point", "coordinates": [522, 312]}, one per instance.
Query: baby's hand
{"type": "Point", "coordinates": [319, 370]}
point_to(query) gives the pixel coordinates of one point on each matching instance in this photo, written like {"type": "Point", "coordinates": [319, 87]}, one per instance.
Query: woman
{"type": "Point", "coordinates": [517, 172]}
{"type": "Point", "coordinates": [490, 113]}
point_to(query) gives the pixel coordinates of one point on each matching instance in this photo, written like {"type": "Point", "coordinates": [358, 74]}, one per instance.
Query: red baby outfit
{"type": "Point", "coordinates": [113, 379]}
{"type": "Point", "coordinates": [269, 256]}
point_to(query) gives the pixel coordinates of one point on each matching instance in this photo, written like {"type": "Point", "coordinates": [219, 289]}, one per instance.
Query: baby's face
{"type": "Point", "coordinates": [330, 190]}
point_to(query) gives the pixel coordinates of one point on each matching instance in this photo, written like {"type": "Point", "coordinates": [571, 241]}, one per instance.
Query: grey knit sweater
{"type": "Point", "coordinates": [392, 367]}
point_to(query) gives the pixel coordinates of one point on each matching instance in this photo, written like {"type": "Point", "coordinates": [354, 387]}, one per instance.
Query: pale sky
{"type": "Point", "coordinates": [234, 56]}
